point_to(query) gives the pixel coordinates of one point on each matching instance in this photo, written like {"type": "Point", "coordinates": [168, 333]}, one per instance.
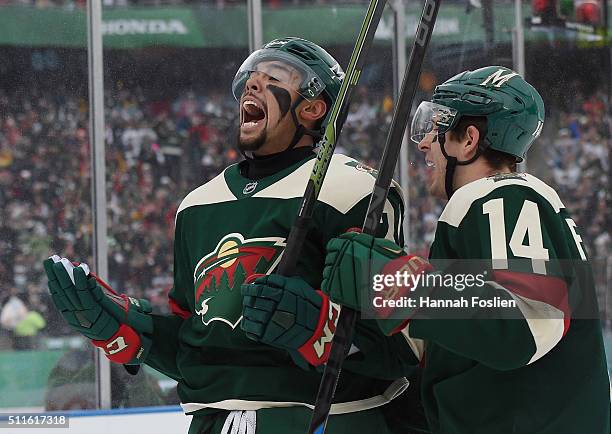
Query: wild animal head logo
{"type": "Point", "coordinates": [219, 274]}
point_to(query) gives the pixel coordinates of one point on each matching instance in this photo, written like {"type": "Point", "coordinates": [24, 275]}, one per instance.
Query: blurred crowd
{"type": "Point", "coordinates": [159, 150]}
{"type": "Point", "coordinates": [578, 155]}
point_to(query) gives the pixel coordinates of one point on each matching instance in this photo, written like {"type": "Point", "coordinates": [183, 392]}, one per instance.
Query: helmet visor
{"type": "Point", "coordinates": [282, 67]}
{"type": "Point", "coordinates": [431, 118]}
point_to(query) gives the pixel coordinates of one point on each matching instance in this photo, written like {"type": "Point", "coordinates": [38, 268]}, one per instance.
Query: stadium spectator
{"type": "Point", "coordinates": [12, 313]}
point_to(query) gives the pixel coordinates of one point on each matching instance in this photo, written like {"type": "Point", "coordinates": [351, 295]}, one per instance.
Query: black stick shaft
{"type": "Point", "coordinates": [338, 113]}
{"type": "Point", "coordinates": [346, 322]}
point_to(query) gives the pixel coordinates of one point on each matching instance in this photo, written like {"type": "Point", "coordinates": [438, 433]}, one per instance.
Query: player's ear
{"type": "Point", "coordinates": [469, 147]}
{"type": "Point", "coordinates": [312, 111]}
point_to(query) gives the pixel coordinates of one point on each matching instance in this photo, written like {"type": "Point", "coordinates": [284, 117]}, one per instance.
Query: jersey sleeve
{"type": "Point", "coordinates": [162, 356]}
{"type": "Point", "coordinates": [519, 238]}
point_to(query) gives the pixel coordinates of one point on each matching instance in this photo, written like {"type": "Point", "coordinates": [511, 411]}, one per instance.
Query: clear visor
{"type": "Point", "coordinates": [282, 67]}
{"type": "Point", "coordinates": [431, 118]}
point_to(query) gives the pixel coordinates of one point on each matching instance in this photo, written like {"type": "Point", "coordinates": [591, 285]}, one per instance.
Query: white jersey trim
{"type": "Point", "coordinates": [344, 186]}
{"type": "Point", "coordinates": [292, 185]}
{"type": "Point", "coordinates": [393, 391]}
{"type": "Point", "coordinates": [545, 322]}
{"type": "Point", "coordinates": [214, 191]}
{"type": "Point", "coordinates": [416, 345]}
{"type": "Point", "coordinates": [391, 229]}
{"type": "Point", "coordinates": [462, 199]}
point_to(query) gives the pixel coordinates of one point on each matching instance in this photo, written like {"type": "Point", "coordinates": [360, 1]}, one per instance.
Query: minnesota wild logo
{"type": "Point", "coordinates": [219, 274]}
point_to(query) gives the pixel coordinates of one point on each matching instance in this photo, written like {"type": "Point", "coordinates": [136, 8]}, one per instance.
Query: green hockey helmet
{"type": "Point", "coordinates": [513, 108]}
{"type": "Point", "coordinates": [303, 66]}
{"type": "Point", "coordinates": [313, 71]}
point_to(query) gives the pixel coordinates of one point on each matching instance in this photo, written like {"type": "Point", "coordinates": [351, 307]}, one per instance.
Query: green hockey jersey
{"type": "Point", "coordinates": [539, 366]}
{"type": "Point", "coordinates": [232, 227]}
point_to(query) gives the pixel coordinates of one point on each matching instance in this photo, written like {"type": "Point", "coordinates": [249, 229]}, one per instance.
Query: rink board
{"type": "Point", "coordinates": [148, 420]}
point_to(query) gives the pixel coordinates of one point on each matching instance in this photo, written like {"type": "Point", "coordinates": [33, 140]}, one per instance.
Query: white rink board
{"type": "Point", "coordinates": [154, 420]}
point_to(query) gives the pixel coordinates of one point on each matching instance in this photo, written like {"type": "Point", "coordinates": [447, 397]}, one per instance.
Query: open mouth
{"type": "Point", "coordinates": [252, 113]}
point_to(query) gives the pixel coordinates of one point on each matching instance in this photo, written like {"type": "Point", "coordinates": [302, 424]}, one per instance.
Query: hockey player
{"type": "Point", "coordinates": [534, 363]}
{"type": "Point", "coordinates": [248, 361]}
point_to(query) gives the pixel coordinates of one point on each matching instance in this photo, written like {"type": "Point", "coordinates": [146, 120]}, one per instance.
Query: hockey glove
{"type": "Point", "coordinates": [118, 324]}
{"type": "Point", "coordinates": [350, 265]}
{"type": "Point", "coordinates": [286, 312]}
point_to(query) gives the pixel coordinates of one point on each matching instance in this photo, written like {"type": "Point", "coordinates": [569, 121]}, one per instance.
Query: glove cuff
{"type": "Point", "coordinates": [126, 346]}
{"type": "Point", "coordinates": [138, 314]}
{"type": "Point", "coordinates": [413, 265]}
{"type": "Point", "coordinates": [316, 349]}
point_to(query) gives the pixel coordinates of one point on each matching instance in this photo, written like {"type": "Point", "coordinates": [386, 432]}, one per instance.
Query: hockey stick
{"type": "Point", "coordinates": [346, 321]}
{"type": "Point", "coordinates": [327, 144]}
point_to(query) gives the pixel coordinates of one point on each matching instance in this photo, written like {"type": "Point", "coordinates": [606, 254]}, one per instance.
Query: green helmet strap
{"type": "Point", "coordinates": [452, 163]}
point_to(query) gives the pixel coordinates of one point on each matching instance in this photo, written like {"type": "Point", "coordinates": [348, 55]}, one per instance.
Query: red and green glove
{"type": "Point", "coordinates": [287, 313]}
{"type": "Point", "coordinates": [120, 325]}
{"type": "Point", "coordinates": [351, 261]}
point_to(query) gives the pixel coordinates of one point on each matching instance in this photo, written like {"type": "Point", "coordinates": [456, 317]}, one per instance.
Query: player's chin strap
{"type": "Point", "coordinates": [301, 130]}
{"type": "Point", "coordinates": [452, 163]}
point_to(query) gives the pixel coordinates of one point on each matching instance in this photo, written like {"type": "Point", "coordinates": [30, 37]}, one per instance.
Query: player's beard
{"type": "Point", "coordinates": [251, 144]}
{"type": "Point", "coordinates": [283, 99]}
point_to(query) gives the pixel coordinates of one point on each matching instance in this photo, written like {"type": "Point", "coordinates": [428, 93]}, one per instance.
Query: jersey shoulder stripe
{"type": "Point", "coordinates": [214, 191]}
{"type": "Point", "coordinates": [349, 181]}
{"type": "Point", "coordinates": [462, 200]}
{"type": "Point", "coordinates": [346, 183]}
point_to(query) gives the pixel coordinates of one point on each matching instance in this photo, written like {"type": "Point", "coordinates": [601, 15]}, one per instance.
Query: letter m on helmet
{"type": "Point", "coordinates": [498, 78]}
{"type": "Point", "coordinates": [337, 69]}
